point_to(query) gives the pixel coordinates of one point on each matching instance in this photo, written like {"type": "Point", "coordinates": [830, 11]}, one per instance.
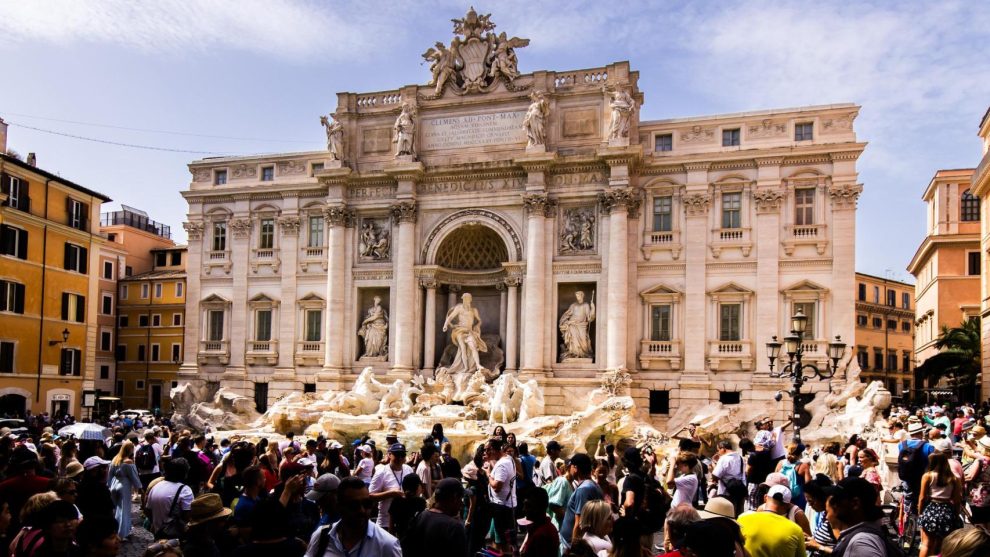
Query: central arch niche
{"type": "Point", "coordinates": [472, 247]}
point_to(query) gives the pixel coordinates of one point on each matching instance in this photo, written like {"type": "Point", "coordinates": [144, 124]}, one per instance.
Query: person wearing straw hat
{"type": "Point", "coordinates": [207, 522]}
{"type": "Point", "coordinates": [978, 480]}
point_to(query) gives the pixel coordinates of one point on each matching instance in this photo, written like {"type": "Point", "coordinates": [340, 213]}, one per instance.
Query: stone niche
{"type": "Point", "coordinates": [366, 299]}
{"type": "Point", "coordinates": [565, 297]}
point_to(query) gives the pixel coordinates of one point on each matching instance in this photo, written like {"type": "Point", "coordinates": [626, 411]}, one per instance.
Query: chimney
{"type": "Point", "coordinates": [32, 159]}
{"type": "Point", "coordinates": [3, 136]}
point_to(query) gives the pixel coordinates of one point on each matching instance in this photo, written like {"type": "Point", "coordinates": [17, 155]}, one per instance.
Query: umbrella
{"type": "Point", "coordinates": [86, 431]}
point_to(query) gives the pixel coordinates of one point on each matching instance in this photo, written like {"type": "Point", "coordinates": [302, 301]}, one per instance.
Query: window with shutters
{"type": "Point", "coordinates": [70, 361]}
{"type": "Point", "coordinates": [266, 238]}
{"type": "Point", "coordinates": [878, 359]}
{"type": "Point", "coordinates": [862, 292]}
{"type": "Point", "coordinates": [730, 321]}
{"type": "Point", "coordinates": [892, 298]}
{"type": "Point", "coordinates": [6, 356]}
{"type": "Point", "coordinates": [804, 207]}
{"type": "Point", "coordinates": [892, 361]}
{"type": "Point", "coordinates": [11, 297]}
{"type": "Point", "coordinates": [263, 324]}
{"type": "Point", "coordinates": [106, 305]}
{"type": "Point", "coordinates": [906, 361]}
{"type": "Point", "coordinates": [314, 325]}
{"type": "Point", "coordinates": [861, 320]}
{"type": "Point", "coordinates": [13, 241]}
{"type": "Point", "coordinates": [215, 325]}
{"type": "Point", "coordinates": [219, 236]}
{"type": "Point", "coordinates": [863, 358]}
{"type": "Point", "coordinates": [73, 307]}
{"type": "Point", "coordinates": [155, 352]}
{"type": "Point", "coordinates": [17, 193]}
{"type": "Point", "coordinates": [75, 258]}
{"type": "Point", "coordinates": [77, 214]}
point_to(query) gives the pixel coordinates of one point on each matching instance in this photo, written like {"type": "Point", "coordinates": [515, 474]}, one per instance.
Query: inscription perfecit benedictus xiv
{"type": "Point", "coordinates": [495, 128]}
{"type": "Point", "coordinates": [457, 186]}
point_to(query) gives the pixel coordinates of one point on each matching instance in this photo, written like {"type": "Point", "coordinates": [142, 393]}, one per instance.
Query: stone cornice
{"type": "Point", "coordinates": [615, 156]}
{"type": "Point", "coordinates": [537, 162]}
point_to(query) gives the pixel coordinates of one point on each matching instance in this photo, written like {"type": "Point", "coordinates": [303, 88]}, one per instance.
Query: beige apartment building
{"type": "Point", "coordinates": [981, 188]}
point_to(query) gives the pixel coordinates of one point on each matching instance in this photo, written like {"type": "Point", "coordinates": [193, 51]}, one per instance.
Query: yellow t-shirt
{"type": "Point", "coordinates": [770, 535]}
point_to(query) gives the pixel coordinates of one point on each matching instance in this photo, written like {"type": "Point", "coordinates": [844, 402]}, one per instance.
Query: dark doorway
{"type": "Point", "coordinates": [156, 397]}
{"type": "Point", "coordinates": [261, 397]}
{"type": "Point", "coordinates": [12, 406]}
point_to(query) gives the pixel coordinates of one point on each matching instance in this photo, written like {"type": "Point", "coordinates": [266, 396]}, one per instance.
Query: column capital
{"type": "Point", "coordinates": [614, 199]}
{"type": "Point", "coordinates": [514, 272]}
{"type": "Point", "coordinates": [339, 215]}
{"type": "Point", "coordinates": [194, 230]}
{"type": "Point", "coordinates": [240, 227]}
{"type": "Point", "coordinates": [539, 204]}
{"type": "Point", "coordinates": [844, 196]}
{"type": "Point", "coordinates": [767, 200]}
{"type": "Point", "coordinates": [696, 204]}
{"type": "Point", "coordinates": [290, 225]}
{"type": "Point", "coordinates": [403, 211]}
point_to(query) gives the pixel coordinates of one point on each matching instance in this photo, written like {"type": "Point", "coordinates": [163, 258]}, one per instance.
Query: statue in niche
{"type": "Point", "coordinates": [404, 131]}
{"type": "Point", "coordinates": [374, 330]}
{"type": "Point", "coordinates": [335, 136]}
{"type": "Point", "coordinates": [578, 234]}
{"type": "Point", "coordinates": [622, 105]}
{"type": "Point", "coordinates": [535, 121]}
{"type": "Point", "coordinates": [574, 326]}
{"type": "Point", "coordinates": [466, 336]}
{"type": "Point", "coordinates": [374, 241]}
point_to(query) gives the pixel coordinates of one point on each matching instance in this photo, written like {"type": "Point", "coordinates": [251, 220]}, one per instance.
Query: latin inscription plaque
{"type": "Point", "coordinates": [473, 130]}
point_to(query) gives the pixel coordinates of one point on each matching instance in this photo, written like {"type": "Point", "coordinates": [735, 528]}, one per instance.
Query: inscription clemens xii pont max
{"type": "Point", "coordinates": [452, 132]}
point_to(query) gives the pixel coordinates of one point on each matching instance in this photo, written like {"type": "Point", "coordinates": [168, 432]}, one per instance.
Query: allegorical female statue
{"type": "Point", "coordinates": [574, 327]}
{"type": "Point", "coordinates": [535, 120]}
{"type": "Point", "coordinates": [622, 105]}
{"type": "Point", "coordinates": [404, 131]}
{"type": "Point", "coordinates": [374, 329]}
{"type": "Point", "coordinates": [335, 137]}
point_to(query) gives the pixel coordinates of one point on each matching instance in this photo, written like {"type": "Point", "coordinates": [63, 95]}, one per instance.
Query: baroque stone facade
{"type": "Point", "coordinates": [693, 253]}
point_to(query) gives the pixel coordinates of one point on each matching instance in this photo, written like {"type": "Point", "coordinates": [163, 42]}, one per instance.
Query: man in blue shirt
{"type": "Point", "coordinates": [912, 467]}
{"type": "Point", "coordinates": [587, 490]}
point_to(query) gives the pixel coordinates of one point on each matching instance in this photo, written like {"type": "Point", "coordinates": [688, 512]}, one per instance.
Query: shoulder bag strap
{"type": "Point", "coordinates": [175, 499]}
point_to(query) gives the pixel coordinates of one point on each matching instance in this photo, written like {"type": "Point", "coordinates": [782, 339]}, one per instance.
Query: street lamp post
{"type": "Point", "coordinates": [798, 371]}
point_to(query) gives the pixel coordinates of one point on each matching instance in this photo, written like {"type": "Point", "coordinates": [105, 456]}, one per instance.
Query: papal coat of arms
{"type": "Point", "coordinates": [476, 60]}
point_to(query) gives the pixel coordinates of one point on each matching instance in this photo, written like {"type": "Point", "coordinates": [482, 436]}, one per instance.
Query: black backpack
{"type": "Point", "coordinates": [145, 458]}
{"type": "Point", "coordinates": [912, 462]}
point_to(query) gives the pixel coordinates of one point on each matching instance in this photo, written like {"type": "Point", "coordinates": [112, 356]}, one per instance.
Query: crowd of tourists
{"type": "Point", "coordinates": [321, 497]}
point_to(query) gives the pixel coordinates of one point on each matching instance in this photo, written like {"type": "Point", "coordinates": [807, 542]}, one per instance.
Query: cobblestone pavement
{"type": "Point", "coordinates": [139, 539]}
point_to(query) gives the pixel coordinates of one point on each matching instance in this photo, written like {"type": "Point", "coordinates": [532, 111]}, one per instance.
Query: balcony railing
{"type": "Point", "coordinates": [730, 235]}
{"type": "Point", "coordinates": [263, 253]}
{"type": "Point", "coordinates": [806, 231]}
{"type": "Point", "coordinates": [662, 237]}
{"type": "Point", "coordinates": [217, 255]}
{"type": "Point", "coordinates": [312, 253]}
{"type": "Point", "coordinates": [262, 352]}
{"type": "Point", "coordinates": [214, 352]}
{"type": "Point", "coordinates": [309, 352]}
{"type": "Point", "coordinates": [213, 346]}
{"type": "Point", "coordinates": [739, 352]}
{"type": "Point", "coordinates": [262, 345]}
{"type": "Point", "coordinates": [134, 220]}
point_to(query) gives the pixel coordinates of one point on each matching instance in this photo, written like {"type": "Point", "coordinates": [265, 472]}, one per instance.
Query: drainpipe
{"type": "Point", "coordinates": [44, 272]}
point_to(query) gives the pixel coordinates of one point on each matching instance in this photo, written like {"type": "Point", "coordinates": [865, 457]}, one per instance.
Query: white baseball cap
{"type": "Point", "coordinates": [780, 493]}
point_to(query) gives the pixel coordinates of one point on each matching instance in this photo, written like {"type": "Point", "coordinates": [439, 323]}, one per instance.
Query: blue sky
{"type": "Point", "coordinates": [262, 72]}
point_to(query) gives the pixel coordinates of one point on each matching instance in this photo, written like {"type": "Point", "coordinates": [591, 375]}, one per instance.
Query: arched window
{"type": "Point", "coordinates": [970, 210]}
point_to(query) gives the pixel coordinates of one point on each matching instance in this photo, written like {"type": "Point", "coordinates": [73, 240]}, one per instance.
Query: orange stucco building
{"type": "Point", "coordinates": [885, 333]}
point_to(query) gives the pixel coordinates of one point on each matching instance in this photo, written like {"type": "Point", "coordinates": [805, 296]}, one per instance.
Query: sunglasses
{"type": "Point", "coordinates": [163, 546]}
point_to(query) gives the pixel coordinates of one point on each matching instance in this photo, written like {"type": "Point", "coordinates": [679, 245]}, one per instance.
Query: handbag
{"type": "Point", "coordinates": [173, 527]}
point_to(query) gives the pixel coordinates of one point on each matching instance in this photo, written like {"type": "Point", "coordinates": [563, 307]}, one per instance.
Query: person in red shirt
{"type": "Point", "coordinates": [957, 426]}
{"type": "Point", "coordinates": [22, 482]}
{"type": "Point", "coordinates": [541, 535]}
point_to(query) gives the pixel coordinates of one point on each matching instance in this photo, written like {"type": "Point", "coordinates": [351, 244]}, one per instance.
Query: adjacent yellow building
{"type": "Point", "coordinates": [49, 260]}
{"type": "Point", "coordinates": [885, 333]}
{"type": "Point", "coordinates": [150, 327]}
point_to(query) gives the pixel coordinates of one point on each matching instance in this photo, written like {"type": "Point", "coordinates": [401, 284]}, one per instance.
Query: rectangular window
{"type": "Point", "coordinates": [75, 258]}
{"type": "Point", "coordinates": [141, 352]}
{"type": "Point", "coordinates": [317, 167]}
{"type": "Point", "coordinates": [808, 309]}
{"type": "Point", "coordinates": [877, 323]}
{"type": "Point", "coordinates": [314, 322]}
{"type": "Point", "coordinates": [145, 291]}
{"type": "Point", "coordinates": [732, 210]}
{"type": "Point", "coordinates": [892, 362]}
{"type": "Point", "coordinates": [729, 397]}
{"type": "Point", "coordinates": [906, 362]}
{"type": "Point", "coordinates": [6, 357]}
{"type": "Point", "coordinates": [804, 207]}
{"type": "Point", "coordinates": [123, 292]}
{"type": "Point", "coordinates": [106, 306]}
{"type": "Point", "coordinates": [905, 300]}
{"type": "Point", "coordinates": [106, 340]}
{"type": "Point", "coordinates": [143, 320]}
{"type": "Point", "coordinates": [315, 232]}
{"type": "Point", "coordinates": [973, 266]}
{"type": "Point", "coordinates": [804, 131]}
{"type": "Point", "coordinates": [729, 321]}
{"type": "Point", "coordinates": [659, 402]}
{"type": "Point", "coordinates": [730, 138]}
{"type": "Point", "coordinates": [178, 289]}
{"type": "Point", "coordinates": [77, 214]}
{"type": "Point", "coordinates": [862, 292]}
{"type": "Point", "coordinates": [161, 259]}
{"type": "Point", "coordinates": [176, 258]}
{"type": "Point", "coordinates": [662, 214]}
{"type": "Point", "coordinates": [876, 294]}
{"type": "Point", "coordinates": [664, 142]}
{"type": "Point", "coordinates": [70, 362]}
{"type": "Point", "coordinates": [261, 397]}
{"type": "Point", "coordinates": [892, 325]}
{"type": "Point", "coordinates": [219, 236]}
{"type": "Point", "coordinates": [17, 194]}
{"type": "Point", "coordinates": [215, 326]}
{"type": "Point", "coordinates": [108, 270]}
{"type": "Point", "coordinates": [220, 177]}
{"type": "Point", "coordinates": [861, 320]}
{"type": "Point", "coordinates": [104, 372]}
{"type": "Point", "coordinates": [309, 387]}
{"type": "Point", "coordinates": [267, 173]}
{"type": "Point", "coordinates": [13, 241]}
{"type": "Point", "coordinates": [128, 271]}
{"type": "Point", "coordinates": [864, 359]}
{"type": "Point", "coordinates": [156, 320]}
{"type": "Point", "coordinates": [878, 359]}
{"type": "Point", "coordinates": [139, 385]}
{"type": "Point", "coordinates": [266, 239]}
{"type": "Point", "coordinates": [263, 325]}
{"type": "Point", "coordinates": [11, 297]}
{"type": "Point", "coordinates": [892, 298]}
{"type": "Point", "coordinates": [155, 352]}
{"type": "Point", "coordinates": [176, 319]}
{"type": "Point", "coordinates": [73, 307]}
{"type": "Point", "coordinates": [158, 290]}
{"type": "Point", "coordinates": [906, 326]}
{"type": "Point", "coordinates": [176, 352]}
{"type": "Point", "coordinates": [660, 322]}
{"type": "Point", "coordinates": [123, 320]}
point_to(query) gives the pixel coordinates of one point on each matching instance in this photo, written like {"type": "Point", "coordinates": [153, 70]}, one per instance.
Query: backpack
{"type": "Point", "coordinates": [911, 462]}
{"type": "Point", "coordinates": [145, 458]}
{"type": "Point", "coordinates": [790, 472]}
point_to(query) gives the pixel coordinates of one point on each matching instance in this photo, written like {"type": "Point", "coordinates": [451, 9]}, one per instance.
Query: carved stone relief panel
{"type": "Point", "coordinates": [698, 134]}
{"type": "Point", "coordinates": [375, 239]}
{"type": "Point", "coordinates": [766, 128]}
{"type": "Point", "coordinates": [578, 231]}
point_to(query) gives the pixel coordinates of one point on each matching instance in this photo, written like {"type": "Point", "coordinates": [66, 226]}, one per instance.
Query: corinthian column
{"type": "Point", "coordinates": [338, 219]}
{"type": "Point", "coordinates": [429, 323]}
{"type": "Point", "coordinates": [617, 202]}
{"type": "Point", "coordinates": [404, 314]}
{"type": "Point", "coordinates": [539, 206]}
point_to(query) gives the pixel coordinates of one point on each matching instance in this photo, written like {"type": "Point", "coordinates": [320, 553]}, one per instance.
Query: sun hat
{"type": "Point", "coordinates": [73, 469]}
{"type": "Point", "coordinates": [307, 462]}
{"type": "Point", "coordinates": [776, 478]}
{"type": "Point", "coordinates": [327, 483]}
{"type": "Point", "coordinates": [942, 445]}
{"type": "Point", "coordinates": [719, 507]}
{"type": "Point", "coordinates": [207, 507]}
{"type": "Point", "coordinates": [915, 427]}
{"type": "Point", "coordinates": [335, 445]}
{"type": "Point", "coordinates": [984, 442]}
{"type": "Point", "coordinates": [94, 462]}
{"type": "Point", "coordinates": [364, 449]}
{"type": "Point", "coordinates": [780, 493]}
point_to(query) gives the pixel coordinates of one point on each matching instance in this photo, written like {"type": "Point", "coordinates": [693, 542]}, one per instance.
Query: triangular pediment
{"type": "Point", "coordinates": [660, 289]}
{"type": "Point", "coordinates": [311, 297]}
{"type": "Point", "coordinates": [805, 285]}
{"type": "Point", "coordinates": [731, 288]}
{"type": "Point", "coordinates": [215, 299]}
{"type": "Point", "coordinates": [261, 298]}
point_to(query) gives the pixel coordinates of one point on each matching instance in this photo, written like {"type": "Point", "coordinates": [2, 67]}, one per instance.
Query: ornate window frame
{"type": "Point", "coordinates": [315, 255]}
{"type": "Point", "coordinates": [211, 257]}
{"type": "Point", "coordinates": [731, 238]}
{"type": "Point", "coordinates": [214, 351]}
{"type": "Point", "coordinates": [661, 355]}
{"type": "Point", "coordinates": [262, 352]}
{"type": "Point", "coordinates": [815, 234]}
{"type": "Point", "coordinates": [265, 257]}
{"type": "Point", "coordinates": [815, 342]}
{"type": "Point", "coordinates": [310, 352]}
{"type": "Point", "coordinates": [735, 354]}
{"type": "Point", "coordinates": [663, 241]}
